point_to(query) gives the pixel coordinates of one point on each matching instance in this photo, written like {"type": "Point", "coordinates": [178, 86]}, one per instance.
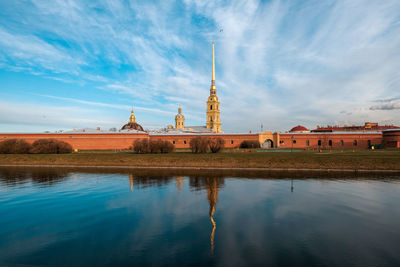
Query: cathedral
{"type": "Point", "coordinates": [370, 135]}
{"type": "Point", "coordinates": [213, 120]}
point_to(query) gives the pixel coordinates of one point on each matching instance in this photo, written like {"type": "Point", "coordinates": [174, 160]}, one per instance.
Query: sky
{"type": "Point", "coordinates": [85, 64]}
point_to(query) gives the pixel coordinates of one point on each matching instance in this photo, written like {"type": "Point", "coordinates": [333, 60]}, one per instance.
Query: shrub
{"type": "Point", "coordinates": [50, 146]}
{"type": "Point", "coordinates": [250, 144]}
{"type": "Point", "coordinates": [14, 146]}
{"type": "Point", "coordinates": [167, 147]}
{"type": "Point", "coordinates": [199, 144]}
{"type": "Point", "coordinates": [216, 144]}
{"type": "Point", "coordinates": [145, 146]}
{"type": "Point", "coordinates": [141, 146]}
{"type": "Point", "coordinates": [155, 146]}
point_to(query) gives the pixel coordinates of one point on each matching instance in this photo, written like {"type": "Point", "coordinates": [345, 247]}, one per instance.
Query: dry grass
{"type": "Point", "coordinates": [377, 160]}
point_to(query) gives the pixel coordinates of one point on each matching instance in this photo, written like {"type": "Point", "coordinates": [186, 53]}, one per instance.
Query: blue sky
{"type": "Point", "coordinates": [74, 64]}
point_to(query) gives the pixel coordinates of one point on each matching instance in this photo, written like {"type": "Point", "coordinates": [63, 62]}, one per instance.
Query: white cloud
{"type": "Point", "coordinates": [279, 63]}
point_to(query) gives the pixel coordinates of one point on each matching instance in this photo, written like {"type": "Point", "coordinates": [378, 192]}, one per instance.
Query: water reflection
{"type": "Point", "coordinates": [210, 184]}
{"type": "Point", "coordinates": [179, 182]}
{"type": "Point", "coordinates": [44, 177]}
{"type": "Point", "coordinates": [142, 218]}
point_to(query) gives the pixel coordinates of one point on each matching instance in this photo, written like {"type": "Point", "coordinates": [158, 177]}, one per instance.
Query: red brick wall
{"type": "Point", "coordinates": [300, 140]}
{"type": "Point", "coordinates": [391, 139]}
{"type": "Point", "coordinates": [84, 140]}
{"type": "Point", "coordinates": [183, 141]}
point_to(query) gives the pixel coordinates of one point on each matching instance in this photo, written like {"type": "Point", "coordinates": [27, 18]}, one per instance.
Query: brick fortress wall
{"type": "Point", "coordinates": [94, 141]}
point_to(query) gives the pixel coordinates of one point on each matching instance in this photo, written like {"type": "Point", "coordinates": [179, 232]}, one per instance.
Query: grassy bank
{"type": "Point", "coordinates": [367, 160]}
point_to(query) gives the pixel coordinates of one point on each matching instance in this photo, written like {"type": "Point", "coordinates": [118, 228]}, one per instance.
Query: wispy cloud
{"type": "Point", "coordinates": [106, 105]}
{"type": "Point", "coordinates": [387, 104]}
{"type": "Point", "coordinates": [279, 63]}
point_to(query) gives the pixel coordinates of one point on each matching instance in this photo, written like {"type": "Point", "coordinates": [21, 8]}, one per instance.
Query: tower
{"type": "Point", "coordinates": [213, 118]}
{"type": "Point", "coordinates": [132, 125]}
{"type": "Point", "coordinates": [179, 120]}
{"type": "Point", "coordinates": [132, 118]}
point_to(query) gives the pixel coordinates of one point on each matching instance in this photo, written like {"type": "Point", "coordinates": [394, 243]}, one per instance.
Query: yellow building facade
{"type": "Point", "coordinates": [179, 120]}
{"type": "Point", "coordinates": [213, 115]}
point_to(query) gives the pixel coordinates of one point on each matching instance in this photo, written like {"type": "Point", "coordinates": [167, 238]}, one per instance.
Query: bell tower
{"type": "Point", "coordinates": [179, 120]}
{"type": "Point", "coordinates": [213, 118]}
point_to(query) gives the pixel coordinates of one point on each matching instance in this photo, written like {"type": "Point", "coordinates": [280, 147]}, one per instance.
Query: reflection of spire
{"type": "Point", "coordinates": [212, 196]}
{"type": "Point", "coordinates": [179, 183]}
{"type": "Point", "coordinates": [212, 232]}
{"type": "Point", "coordinates": [291, 186]}
{"type": "Point", "coordinates": [131, 180]}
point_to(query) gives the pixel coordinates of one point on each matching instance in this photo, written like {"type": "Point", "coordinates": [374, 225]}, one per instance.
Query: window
{"type": "Point", "coordinates": [330, 142]}
{"type": "Point", "coordinates": [355, 143]}
{"type": "Point", "coordinates": [173, 142]}
{"type": "Point", "coordinates": [341, 143]}
{"type": "Point", "coordinates": [211, 107]}
{"type": "Point", "coordinates": [369, 143]}
{"type": "Point", "coordinates": [319, 142]}
{"type": "Point", "coordinates": [294, 141]}
{"type": "Point", "coordinates": [184, 141]}
{"type": "Point", "coordinates": [307, 142]}
{"type": "Point", "coordinates": [231, 142]}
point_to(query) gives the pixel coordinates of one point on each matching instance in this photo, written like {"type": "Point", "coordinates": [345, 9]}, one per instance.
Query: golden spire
{"type": "Point", "coordinates": [213, 89]}
{"type": "Point", "coordinates": [213, 67]}
{"type": "Point", "coordinates": [132, 118]}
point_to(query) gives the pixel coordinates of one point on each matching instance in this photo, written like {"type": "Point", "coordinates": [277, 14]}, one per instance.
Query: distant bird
{"type": "Point", "coordinates": [221, 30]}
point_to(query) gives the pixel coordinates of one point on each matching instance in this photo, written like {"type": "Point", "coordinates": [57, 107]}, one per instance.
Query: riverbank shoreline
{"type": "Point", "coordinates": [119, 167]}
{"type": "Point", "coordinates": [362, 161]}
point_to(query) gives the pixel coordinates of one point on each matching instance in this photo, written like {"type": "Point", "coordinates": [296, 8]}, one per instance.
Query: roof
{"type": "Point", "coordinates": [299, 128]}
{"type": "Point", "coordinates": [132, 126]}
{"type": "Point", "coordinates": [373, 127]}
{"type": "Point", "coordinates": [334, 133]}
{"type": "Point", "coordinates": [391, 130]}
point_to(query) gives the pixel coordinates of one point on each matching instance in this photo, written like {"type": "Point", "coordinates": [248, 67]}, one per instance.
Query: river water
{"type": "Point", "coordinates": [67, 217]}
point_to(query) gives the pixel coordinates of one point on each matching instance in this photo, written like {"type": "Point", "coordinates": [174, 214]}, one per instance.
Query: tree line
{"type": "Point", "coordinates": [41, 146]}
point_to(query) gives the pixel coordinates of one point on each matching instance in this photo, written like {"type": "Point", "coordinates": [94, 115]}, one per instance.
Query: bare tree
{"type": "Point", "coordinates": [216, 144]}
